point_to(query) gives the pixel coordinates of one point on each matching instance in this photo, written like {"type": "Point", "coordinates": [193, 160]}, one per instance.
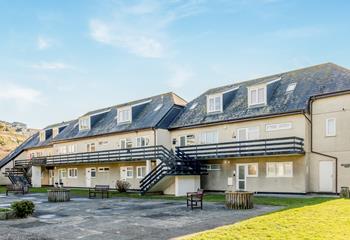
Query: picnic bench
{"type": "Point", "coordinates": [99, 189]}
{"type": "Point", "coordinates": [17, 188]}
{"type": "Point", "coordinates": [194, 198]}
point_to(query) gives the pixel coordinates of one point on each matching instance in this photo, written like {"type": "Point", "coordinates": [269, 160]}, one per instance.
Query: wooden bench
{"type": "Point", "coordinates": [99, 189]}
{"type": "Point", "coordinates": [17, 188]}
{"type": "Point", "coordinates": [193, 198]}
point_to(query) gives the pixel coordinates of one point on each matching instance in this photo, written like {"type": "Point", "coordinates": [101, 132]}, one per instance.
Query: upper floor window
{"type": "Point", "coordinates": [214, 103]}
{"type": "Point", "coordinates": [331, 128]}
{"type": "Point", "coordinates": [125, 143]}
{"type": "Point", "coordinates": [278, 126]}
{"type": "Point", "coordinates": [209, 137]}
{"type": "Point", "coordinates": [250, 133]}
{"type": "Point", "coordinates": [54, 132]}
{"type": "Point", "coordinates": [124, 115]}
{"type": "Point", "coordinates": [186, 140]}
{"type": "Point", "coordinates": [257, 95]}
{"type": "Point", "coordinates": [91, 147]}
{"type": "Point", "coordinates": [84, 123]}
{"type": "Point", "coordinates": [142, 141]}
{"type": "Point", "coordinates": [42, 136]}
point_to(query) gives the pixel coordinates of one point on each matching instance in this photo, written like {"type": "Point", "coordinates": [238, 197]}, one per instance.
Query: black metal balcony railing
{"type": "Point", "coordinates": [262, 147]}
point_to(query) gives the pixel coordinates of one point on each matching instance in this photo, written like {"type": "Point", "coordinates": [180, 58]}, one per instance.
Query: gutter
{"type": "Point", "coordinates": [319, 153]}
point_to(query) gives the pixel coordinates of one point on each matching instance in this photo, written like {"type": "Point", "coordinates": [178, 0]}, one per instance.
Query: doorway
{"type": "Point", "coordinates": [326, 176]}
{"type": "Point", "coordinates": [241, 177]}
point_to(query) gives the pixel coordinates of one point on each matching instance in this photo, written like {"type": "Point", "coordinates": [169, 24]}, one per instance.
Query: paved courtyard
{"type": "Point", "coordinates": [117, 218]}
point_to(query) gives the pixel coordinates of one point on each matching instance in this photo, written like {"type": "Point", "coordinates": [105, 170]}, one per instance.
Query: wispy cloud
{"type": "Point", "coordinates": [180, 76]}
{"type": "Point", "coordinates": [44, 43]}
{"type": "Point", "coordinates": [19, 94]}
{"type": "Point", "coordinates": [298, 32]}
{"type": "Point", "coordinates": [51, 66]}
{"type": "Point", "coordinates": [141, 28]}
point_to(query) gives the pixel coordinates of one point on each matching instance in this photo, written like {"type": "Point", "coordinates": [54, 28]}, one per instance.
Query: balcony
{"type": "Point", "coordinates": [262, 147]}
{"type": "Point", "coordinates": [117, 155]}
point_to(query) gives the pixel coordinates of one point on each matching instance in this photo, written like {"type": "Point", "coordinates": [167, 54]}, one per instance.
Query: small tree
{"type": "Point", "coordinates": [122, 186]}
{"type": "Point", "coordinates": [23, 208]}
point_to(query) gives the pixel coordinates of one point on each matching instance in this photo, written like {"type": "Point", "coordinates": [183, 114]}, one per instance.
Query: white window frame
{"type": "Point", "coordinates": [276, 165]}
{"type": "Point", "coordinates": [139, 141]}
{"type": "Point", "coordinates": [186, 139]}
{"type": "Point", "coordinates": [60, 171]}
{"type": "Point", "coordinates": [214, 108]}
{"type": "Point", "coordinates": [93, 170]}
{"type": "Point", "coordinates": [203, 139]}
{"type": "Point", "coordinates": [210, 167]}
{"type": "Point", "coordinates": [84, 123]}
{"type": "Point", "coordinates": [139, 171]}
{"type": "Point", "coordinates": [71, 148]}
{"type": "Point", "coordinates": [247, 130]}
{"type": "Point", "coordinates": [328, 133]}
{"type": "Point", "coordinates": [103, 169]}
{"type": "Point", "coordinates": [120, 115]}
{"type": "Point", "coordinates": [42, 135]}
{"type": "Point", "coordinates": [55, 132]}
{"type": "Point", "coordinates": [126, 140]}
{"type": "Point", "coordinates": [278, 126]}
{"type": "Point", "coordinates": [257, 169]}
{"type": "Point", "coordinates": [255, 102]}
{"type": "Point", "coordinates": [131, 169]}
{"type": "Point", "coordinates": [75, 171]}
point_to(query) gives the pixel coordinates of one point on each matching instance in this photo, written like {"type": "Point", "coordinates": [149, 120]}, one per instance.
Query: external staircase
{"type": "Point", "coordinates": [20, 173]}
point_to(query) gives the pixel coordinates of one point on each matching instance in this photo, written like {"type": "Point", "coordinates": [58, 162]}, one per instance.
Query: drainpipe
{"type": "Point", "coordinates": [319, 153]}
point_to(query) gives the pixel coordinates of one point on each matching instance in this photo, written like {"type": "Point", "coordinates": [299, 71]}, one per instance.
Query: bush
{"type": "Point", "coordinates": [122, 186]}
{"type": "Point", "coordinates": [23, 208]}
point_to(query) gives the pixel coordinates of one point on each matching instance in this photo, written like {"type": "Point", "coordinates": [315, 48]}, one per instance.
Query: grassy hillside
{"type": "Point", "coordinates": [11, 136]}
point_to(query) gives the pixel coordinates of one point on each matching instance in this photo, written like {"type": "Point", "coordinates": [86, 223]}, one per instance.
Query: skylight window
{"type": "Point", "coordinates": [194, 105]}
{"type": "Point", "coordinates": [291, 87]}
{"type": "Point", "coordinates": [158, 107]}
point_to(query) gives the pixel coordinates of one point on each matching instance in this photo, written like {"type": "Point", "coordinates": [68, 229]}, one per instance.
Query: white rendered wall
{"type": "Point", "coordinates": [185, 184]}
{"type": "Point", "coordinates": [36, 176]}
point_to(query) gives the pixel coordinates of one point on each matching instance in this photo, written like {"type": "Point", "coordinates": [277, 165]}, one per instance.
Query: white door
{"type": "Point", "coordinates": [88, 177]}
{"type": "Point", "coordinates": [241, 177]}
{"type": "Point", "coordinates": [326, 176]}
{"type": "Point", "coordinates": [123, 173]}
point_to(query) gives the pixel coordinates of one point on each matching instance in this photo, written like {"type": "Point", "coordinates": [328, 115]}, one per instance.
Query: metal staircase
{"type": "Point", "coordinates": [20, 173]}
{"type": "Point", "coordinates": [171, 165]}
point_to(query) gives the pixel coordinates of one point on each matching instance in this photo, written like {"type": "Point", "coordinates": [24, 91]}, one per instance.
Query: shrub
{"type": "Point", "coordinates": [23, 208]}
{"type": "Point", "coordinates": [122, 186]}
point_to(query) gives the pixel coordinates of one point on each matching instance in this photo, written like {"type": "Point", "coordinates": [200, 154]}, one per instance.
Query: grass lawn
{"type": "Point", "coordinates": [327, 220]}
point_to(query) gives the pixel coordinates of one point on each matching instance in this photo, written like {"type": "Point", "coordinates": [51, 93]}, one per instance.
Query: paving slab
{"type": "Point", "coordinates": [118, 218]}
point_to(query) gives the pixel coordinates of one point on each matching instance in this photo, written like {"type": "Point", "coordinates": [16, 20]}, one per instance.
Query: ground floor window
{"type": "Point", "coordinates": [141, 171]}
{"type": "Point", "coordinates": [213, 167]}
{"type": "Point", "coordinates": [62, 173]}
{"type": "Point", "coordinates": [129, 172]}
{"type": "Point", "coordinates": [103, 169]}
{"type": "Point", "coordinates": [279, 169]}
{"type": "Point", "coordinates": [252, 170]}
{"type": "Point", "coordinates": [72, 172]}
{"type": "Point", "coordinates": [93, 172]}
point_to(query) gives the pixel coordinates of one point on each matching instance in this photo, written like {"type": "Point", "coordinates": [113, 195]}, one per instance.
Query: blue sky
{"type": "Point", "coordinates": [60, 59]}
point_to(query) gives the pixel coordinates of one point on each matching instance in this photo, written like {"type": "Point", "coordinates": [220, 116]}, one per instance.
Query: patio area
{"type": "Point", "coordinates": [117, 218]}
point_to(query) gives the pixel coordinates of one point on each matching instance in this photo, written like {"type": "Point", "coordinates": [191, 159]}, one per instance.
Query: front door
{"type": "Point", "coordinates": [326, 176]}
{"type": "Point", "coordinates": [88, 177]}
{"type": "Point", "coordinates": [51, 177]}
{"type": "Point", "coordinates": [123, 171]}
{"type": "Point", "coordinates": [241, 177]}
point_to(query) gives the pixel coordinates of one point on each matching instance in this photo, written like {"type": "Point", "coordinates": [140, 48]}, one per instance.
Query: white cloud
{"type": "Point", "coordinates": [298, 32]}
{"type": "Point", "coordinates": [180, 76]}
{"type": "Point", "coordinates": [51, 66]}
{"type": "Point", "coordinates": [19, 94]}
{"type": "Point", "coordinates": [44, 43]}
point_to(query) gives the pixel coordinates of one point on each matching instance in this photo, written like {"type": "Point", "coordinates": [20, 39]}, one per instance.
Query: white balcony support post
{"type": "Point", "coordinates": [148, 166]}
{"type": "Point", "coordinates": [36, 176]}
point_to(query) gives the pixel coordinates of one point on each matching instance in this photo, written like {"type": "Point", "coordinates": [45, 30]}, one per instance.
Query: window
{"type": "Point", "coordinates": [72, 172]}
{"type": "Point", "coordinates": [62, 173]}
{"type": "Point", "coordinates": [279, 169]}
{"type": "Point", "coordinates": [209, 137]}
{"type": "Point", "coordinates": [124, 115]}
{"type": "Point", "coordinates": [291, 87]}
{"type": "Point", "coordinates": [54, 132]}
{"type": "Point", "coordinates": [252, 170]}
{"type": "Point", "coordinates": [331, 129]}
{"type": "Point", "coordinates": [72, 148]}
{"type": "Point", "coordinates": [101, 143]}
{"type": "Point", "coordinates": [278, 126]}
{"type": "Point", "coordinates": [187, 140]}
{"type": "Point", "coordinates": [214, 103]}
{"type": "Point", "coordinates": [142, 141]}
{"type": "Point", "coordinates": [103, 169]}
{"type": "Point", "coordinates": [125, 143]}
{"type": "Point", "coordinates": [84, 123]}
{"type": "Point", "coordinates": [140, 171]}
{"type": "Point", "coordinates": [213, 167]}
{"type": "Point", "coordinates": [129, 172]}
{"type": "Point", "coordinates": [250, 133]}
{"type": "Point", "coordinates": [93, 172]}
{"type": "Point", "coordinates": [42, 136]}
{"type": "Point", "coordinates": [256, 96]}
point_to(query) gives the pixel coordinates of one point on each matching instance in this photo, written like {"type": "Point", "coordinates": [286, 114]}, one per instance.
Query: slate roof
{"type": "Point", "coordinates": [144, 117]}
{"type": "Point", "coordinates": [315, 80]}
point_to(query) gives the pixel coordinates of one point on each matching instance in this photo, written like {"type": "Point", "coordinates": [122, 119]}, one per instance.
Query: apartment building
{"type": "Point", "coordinates": [284, 133]}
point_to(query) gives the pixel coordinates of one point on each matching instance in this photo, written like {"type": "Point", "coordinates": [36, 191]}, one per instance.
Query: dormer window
{"type": "Point", "coordinates": [42, 136]}
{"type": "Point", "coordinates": [214, 103]}
{"type": "Point", "coordinates": [257, 95]}
{"type": "Point", "coordinates": [55, 132]}
{"type": "Point", "coordinates": [84, 123]}
{"type": "Point", "coordinates": [124, 115]}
